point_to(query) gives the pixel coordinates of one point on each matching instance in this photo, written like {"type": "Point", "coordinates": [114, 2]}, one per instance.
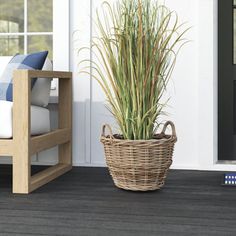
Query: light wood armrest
{"type": "Point", "coordinates": [23, 145]}
{"type": "Point", "coordinates": [49, 74]}
{"type": "Point", "coordinates": [22, 95]}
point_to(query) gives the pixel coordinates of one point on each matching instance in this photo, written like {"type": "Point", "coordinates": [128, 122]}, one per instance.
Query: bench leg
{"type": "Point", "coordinates": [21, 170]}
{"type": "Point", "coordinates": [65, 154]}
{"type": "Point", "coordinates": [21, 133]}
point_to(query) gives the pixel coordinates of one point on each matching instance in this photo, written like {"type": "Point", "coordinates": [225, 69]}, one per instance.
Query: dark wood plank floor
{"type": "Point", "coordinates": [85, 202]}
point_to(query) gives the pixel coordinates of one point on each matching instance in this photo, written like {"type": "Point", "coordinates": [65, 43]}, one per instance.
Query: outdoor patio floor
{"type": "Point", "coordinates": [85, 202]}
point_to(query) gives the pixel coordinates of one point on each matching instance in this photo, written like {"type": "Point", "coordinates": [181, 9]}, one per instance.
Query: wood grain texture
{"type": "Point", "coordinates": [22, 146]}
{"type": "Point", "coordinates": [46, 141]}
{"type": "Point", "coordinates": [21, 131]}
{"type": "Point", "coordinates": [6, 147]}
{"type": "Point", "coordinates": [50, 74]}
{"type": "Point", "coordinates": [65, 119]}
{"type": "Point", "coordinates": [85, 202]}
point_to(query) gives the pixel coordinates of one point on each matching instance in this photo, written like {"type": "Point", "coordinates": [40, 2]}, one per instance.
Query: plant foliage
{"type": "Point", "coordinates": [136, 49]}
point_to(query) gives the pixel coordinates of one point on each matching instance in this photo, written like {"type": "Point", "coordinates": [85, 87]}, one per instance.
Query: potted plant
{"type": "Point", "coordinates": [137, 46]}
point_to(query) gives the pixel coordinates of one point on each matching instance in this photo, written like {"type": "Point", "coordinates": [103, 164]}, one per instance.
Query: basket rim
{"type": "Point", "coordinates": [161, 138]}
{"type": "Point", "coordinates": [165, 138]}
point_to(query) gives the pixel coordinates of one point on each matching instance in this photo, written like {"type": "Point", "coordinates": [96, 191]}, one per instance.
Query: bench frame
{"type": "Point", "coordinates": [22, 146]}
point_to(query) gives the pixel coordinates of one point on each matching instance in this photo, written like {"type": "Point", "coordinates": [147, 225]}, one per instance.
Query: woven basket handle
{"type": "Point", "coordinates": [108, 127]}
{"type": "Point", "coordinates": [169, 123]}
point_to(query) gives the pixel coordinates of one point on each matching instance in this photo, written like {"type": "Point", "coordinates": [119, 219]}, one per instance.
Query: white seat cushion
{"type": "Point", "coordinates": [40, 120]}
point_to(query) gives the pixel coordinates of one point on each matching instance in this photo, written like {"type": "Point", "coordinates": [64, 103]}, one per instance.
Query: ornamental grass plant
{"type": "Point", "coordinates": [136, 49]}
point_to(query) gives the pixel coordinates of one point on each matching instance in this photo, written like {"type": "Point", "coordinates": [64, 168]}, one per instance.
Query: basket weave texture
{"type": "Point", "coordinates": [139, 165]}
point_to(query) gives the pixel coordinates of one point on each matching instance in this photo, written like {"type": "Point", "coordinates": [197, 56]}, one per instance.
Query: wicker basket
{"type": "Point", "coordinates": [139, 165]}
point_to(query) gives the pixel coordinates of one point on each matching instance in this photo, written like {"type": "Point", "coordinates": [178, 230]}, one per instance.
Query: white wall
{"type": "Point", "coordinates": [184, 89]}
{"type": "Point", "coordinates": [193, 105]}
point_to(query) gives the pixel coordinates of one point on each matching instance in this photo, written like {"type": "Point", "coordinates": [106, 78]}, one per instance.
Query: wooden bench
{"type": "Point", "coordinates": [22, 146]}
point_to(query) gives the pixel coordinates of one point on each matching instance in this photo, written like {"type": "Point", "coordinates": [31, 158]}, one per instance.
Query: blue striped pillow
{"type": "Point", "coordinates": [33, 61]}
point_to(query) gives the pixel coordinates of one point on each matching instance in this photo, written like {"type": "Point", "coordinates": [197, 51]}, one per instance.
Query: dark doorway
{"type": "Point", "coordinates": [226, 79]}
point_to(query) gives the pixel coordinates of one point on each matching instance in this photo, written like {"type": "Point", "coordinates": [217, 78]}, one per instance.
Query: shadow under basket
{"type": "Point", "coordinates": [139, 165]}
